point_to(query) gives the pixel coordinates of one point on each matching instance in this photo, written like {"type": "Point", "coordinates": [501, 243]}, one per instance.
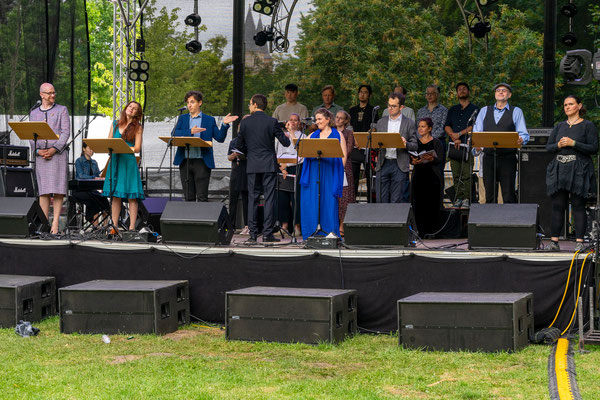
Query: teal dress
{"type": "Point", "coordinates": [126, 180]}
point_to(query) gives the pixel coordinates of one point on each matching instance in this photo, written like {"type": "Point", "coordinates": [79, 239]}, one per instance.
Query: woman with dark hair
{"type": "Point", "coordinates": [427, 183]}
{"type": "Point", "coordinates": [332, 182]}
{"type": "Point", "coordinates": [571, 172]}
{"type": "Point", "coordinates": [342, 119]}
{"type": "Point", "coordinates": [124, 181]}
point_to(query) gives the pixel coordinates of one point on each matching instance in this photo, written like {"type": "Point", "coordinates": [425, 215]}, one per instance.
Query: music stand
{"type": "Point", "coordinates": [110, 146]}
{"type": "Point", "coordinates": [320, 148]}
{"type": "Point", "coordinates": [33, 130]}
{"type": "Point", "coordinates": [496, 140]}
{"type": "Point", "coordinates": [187, 142]}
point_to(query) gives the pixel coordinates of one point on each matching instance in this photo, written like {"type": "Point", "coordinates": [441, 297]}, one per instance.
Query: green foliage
{"type": "Point", "coordinates": [100, 25]}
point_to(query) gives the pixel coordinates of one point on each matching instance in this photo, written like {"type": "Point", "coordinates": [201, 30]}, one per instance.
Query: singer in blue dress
{"type": "Point", "coordinates": [332, 182]}
{"type": "Point", "coordinates": [123, 177]}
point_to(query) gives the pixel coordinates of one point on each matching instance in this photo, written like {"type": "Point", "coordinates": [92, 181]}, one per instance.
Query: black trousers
{"type": "Point", "coordinates": [506, 172]}
{"type": "Point", "coordinates": [196, 187]}
{"type": "Point", "coordinates": [268, 186]}
{"type": "Point", "coordinates": [560, 202]}
{"type": "Point", "coordinates": [286, 200]}
{"type": "Point", "coordinates": [94, 202]}
{"type": "Point", "coordinates": [233, 202]}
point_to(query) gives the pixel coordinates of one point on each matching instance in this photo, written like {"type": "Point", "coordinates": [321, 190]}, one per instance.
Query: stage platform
{"type": "Point", "coordinates": [381, 276]}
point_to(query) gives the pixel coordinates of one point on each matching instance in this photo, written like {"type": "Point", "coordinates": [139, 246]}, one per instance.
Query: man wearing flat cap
{"type": "Point", "coordinates": [501, 117]}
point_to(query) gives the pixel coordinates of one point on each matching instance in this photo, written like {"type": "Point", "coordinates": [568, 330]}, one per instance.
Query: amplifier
{"type": "Point", "coordinates": [538, 137]}
{"type": "Point", "coordinates": [27, 298]}
{"type": "Point", "coordinates": [290, 315]}
{"type": "Point", "coordinates": [14, 155]}
{"type": "Point", "coordinates": [19, 182]}
{"type": "Point", "coordinates": [114, 307]}
{"type": "Point", "coordinates": [466, 321]}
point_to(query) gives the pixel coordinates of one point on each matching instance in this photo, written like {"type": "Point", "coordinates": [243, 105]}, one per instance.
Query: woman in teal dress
{"type": "Point", "coordinates": [124, 175]}
{"type": "Point", "coordinates": [332, 182]}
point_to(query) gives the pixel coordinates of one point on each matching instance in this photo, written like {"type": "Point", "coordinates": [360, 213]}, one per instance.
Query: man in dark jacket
{"type": "Point", "coordinates": [257, 139]}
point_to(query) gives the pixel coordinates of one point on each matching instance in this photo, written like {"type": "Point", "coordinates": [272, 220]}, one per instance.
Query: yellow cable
{"type": "Point", "coordinates": [566, 287]}
{"type": "Point", "coordinates": [563, 383]}
{"type": "Point", "coordinates": [578, 293]}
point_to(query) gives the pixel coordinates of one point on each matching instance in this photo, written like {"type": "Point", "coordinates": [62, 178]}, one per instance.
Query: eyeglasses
{"type": "Point", "coordinates": [49, 93]}
{"type": "Point", "coordinates": [430, 94]}
{"type": "Point", "coordinates": [500, 90]}
{"type": "Point", "coordinates": [393, 105]}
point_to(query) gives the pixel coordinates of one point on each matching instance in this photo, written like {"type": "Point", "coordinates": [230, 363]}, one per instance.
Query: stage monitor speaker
{"type": "Point", "coordinates": [532, 185]}
{"type": "Point", "coordinates": [19, 182]}
{"type": "Point", "coordinates": [503, 226]}
{"type": "Point", "coordinates": [27, 298]}
{"type": "Point", "coordinates": [196, 222]}
{"type": "Point", "coordinates": [290, 315]}
{"type": "Point", "coordinates": [466, 321]}
{"type": "Point", "coordinates": [149, 213]}
{"type": "Point", "coordinates": [21, 217]}
{"type": "Point", "coordinates": [379, 224]}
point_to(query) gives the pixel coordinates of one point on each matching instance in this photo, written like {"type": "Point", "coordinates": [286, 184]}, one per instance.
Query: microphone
{"type": "Point", "coordinates": [182, 108]}
{"type": "Point", "coordinates": [376, 108]}
{"type": "Point", "coordinates": [473, 115]}
{"type": "Point", "coordinates": [97, 115]}
{"type": "Point", "coordinates": [36, 105]}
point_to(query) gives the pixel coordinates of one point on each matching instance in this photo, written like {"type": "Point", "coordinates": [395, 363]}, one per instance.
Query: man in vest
{"type": "Point", "coordinates": [501, 117]}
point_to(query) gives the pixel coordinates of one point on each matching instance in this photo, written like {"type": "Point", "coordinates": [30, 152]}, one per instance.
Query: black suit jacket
{"type": "Point", "coordinates": [256, 139]}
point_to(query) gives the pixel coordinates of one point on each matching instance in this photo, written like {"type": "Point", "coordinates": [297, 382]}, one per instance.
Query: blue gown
{"type": "Point", "coordinates": [332, 182]}
{"type": "Point", "coordinates": [126, 180]}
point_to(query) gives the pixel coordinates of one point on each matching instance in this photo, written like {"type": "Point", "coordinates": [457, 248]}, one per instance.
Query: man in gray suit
{"type": "Point", "coordinates": [393, 164]}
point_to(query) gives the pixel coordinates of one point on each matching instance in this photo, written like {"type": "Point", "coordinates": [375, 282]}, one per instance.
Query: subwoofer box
{"type": "Point", "coordinates": [290, 315]}
{"type": "Point", "coordinates": [503, 226]}
{"type": "Point", "coordinates": [21, 217]}
{"type": "Point", "coordinates": [27, 298]}
{"type": "Point", "coordinates": [466, 321]}
{"type": "Point", "coordinates": [196, 222]}
{"type": "Point", "coordinates": [113, 307]}
{"type": "Point", "coordinates": [379, 224]}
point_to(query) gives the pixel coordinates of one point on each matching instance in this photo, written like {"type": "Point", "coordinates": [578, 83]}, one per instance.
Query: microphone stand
{"type": "Point", "coordinates": [170, 149]}
{"type": "Point", "coordinates": [296, 197]}
{"type": "Point", "coordinates": [368, 169]}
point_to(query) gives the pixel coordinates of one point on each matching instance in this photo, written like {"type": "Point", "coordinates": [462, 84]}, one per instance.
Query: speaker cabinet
{"type": "Point", "coordinates": [290, 315]}
{"type": "Point", "coordinates": [466, 321]}
{"type": "Point", "coordinates": [192, 222]}
{"type": "Point", "coordinates": [115, 307]}
{"type": "Point", "coordinates": [503, 226]}
{"type": "Point", "coordinates": [18, 183]}
{"type": "Point", "coordinates": [21, 217]}
{"type": "Point", "coordinates": [379, 224]}
{"type": "Point", "coordinates": [27, 298]}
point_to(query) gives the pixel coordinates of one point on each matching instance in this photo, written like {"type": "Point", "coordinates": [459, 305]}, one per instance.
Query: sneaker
{"type": "Point", "coordinates": [457, 203]}
{"type": "Point", "coordinates": [579, 246]}
{"type": "Point", "coordinates": [466, 204]}
{"type": "Point", "coordinates": [552, 246]}
{"type": "Point", "coordinates": [251, 240]}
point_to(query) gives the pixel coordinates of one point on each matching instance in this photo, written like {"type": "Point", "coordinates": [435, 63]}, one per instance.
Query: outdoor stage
{"type": "Point", "coordinates": [381, 276]}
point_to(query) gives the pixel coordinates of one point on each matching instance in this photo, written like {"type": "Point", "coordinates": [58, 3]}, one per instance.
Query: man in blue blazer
{"type": "Point", "coordinates": [200, 159]}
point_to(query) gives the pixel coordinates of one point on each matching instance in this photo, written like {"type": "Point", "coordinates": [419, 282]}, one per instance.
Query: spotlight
{"type": "Point", "coordinates": [138, 70]}
{"type": "Point", "coordinates": [569, 39]}
{"type": "Point", "coordinates": [569, 10]}
{"type": "Point", "coordinates": [193, 20]}
{"type": "Point", "coordinates": [484, 3]}
{"type": "Point", "coordinates": [480, 29]}
{"type": "Point", "coordinates": [576, 67]}
{"type": "Point", "coordinates": [281, 43]}
{"type": "Point", "coordinates": [265, 7]}
{"type": "Point", "coordinates": [261, 38]}
{"type": "Point", "coordinates": [193, 46]}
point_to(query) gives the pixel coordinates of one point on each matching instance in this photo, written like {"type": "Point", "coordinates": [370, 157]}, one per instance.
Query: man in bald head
{"type": "Point", "coordinates": [51, 157]}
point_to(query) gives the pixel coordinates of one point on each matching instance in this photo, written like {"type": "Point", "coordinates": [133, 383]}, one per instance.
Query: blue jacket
{"type": "Point", "coordinates": [211, 133]}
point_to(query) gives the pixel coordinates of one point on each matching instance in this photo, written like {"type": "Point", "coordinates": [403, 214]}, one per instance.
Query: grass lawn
{"type": "Point", "coordinates": [197, 362]}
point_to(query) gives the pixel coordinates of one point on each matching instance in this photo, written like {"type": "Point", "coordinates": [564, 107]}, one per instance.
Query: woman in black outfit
{"type": "Point", "coordinates": [238, 184]}
{"type": "Point", "coordinates": [427, 183]}
{"type": "Point", "coordinates": [571, 172]}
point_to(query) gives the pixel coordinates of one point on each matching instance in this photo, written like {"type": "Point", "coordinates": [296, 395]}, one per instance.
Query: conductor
{"type": "Point", "coordinates": [256, 138]}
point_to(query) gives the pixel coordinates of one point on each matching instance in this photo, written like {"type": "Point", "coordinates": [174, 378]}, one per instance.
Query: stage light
{"type": "Point", "coordinates": [265, 7]}
{"type": "Point", "coordinates": [138, 70]}
{"type": "Point", "coordinates": [193, 20]}
{"type": "Point", "coordinates": [569, 10]}
{"type": "Point", "coordinates": [193, 46]}
{"type": "Point", "coordinates": [569, 39]}
{"type": "Point", "coordinates": [576, 66]}
{"type": "Point", "coordinates": [480, 29]}
{"type": "Point", "coordinates": [261, 38]}
{"type": "Point", "coordinates": [484, 3]}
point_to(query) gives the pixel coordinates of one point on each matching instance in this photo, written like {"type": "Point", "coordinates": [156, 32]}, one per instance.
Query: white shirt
{"type": "Point", "coordinates": [393, 126]}
{"type": "Point", "coordinates": [289, 151]}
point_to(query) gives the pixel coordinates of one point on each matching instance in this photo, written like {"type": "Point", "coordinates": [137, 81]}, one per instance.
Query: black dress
{"type": "Point", "coordinates": [573, 169]}
{"type": "Point", "coordinates": [426, 190]}
{"type": "Point", "coordinates": [238, 185]}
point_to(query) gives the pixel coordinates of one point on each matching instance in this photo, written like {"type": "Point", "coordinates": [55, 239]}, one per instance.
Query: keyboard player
{"type": "Point", "coordinates": [87, 173]}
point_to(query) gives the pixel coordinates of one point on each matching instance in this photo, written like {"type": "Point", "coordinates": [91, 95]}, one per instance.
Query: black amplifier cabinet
{"type": "Point", "coordinates": [379, 224]}
{"type": "Point", "coordinates": [290, 315]}
{"type": "Point", "coordinates": [18, 183]}
{"type": "Point", "coordinates": [28, 298]}
{"type": "Point", "coordinates": [114, 307]}
{"type": "Point", "coordinates": [14, 155]}
{"type": "Point", "coordinates": [466, 321]}
{"type": "Point", "coordinates": [538, 137]}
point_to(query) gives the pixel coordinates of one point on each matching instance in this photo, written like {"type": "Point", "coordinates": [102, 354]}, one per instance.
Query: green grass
{"type": "Point", "coordinates": [198, 363]}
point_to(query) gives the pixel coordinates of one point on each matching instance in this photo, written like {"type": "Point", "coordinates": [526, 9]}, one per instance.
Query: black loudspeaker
{"type": "Point", "coordinates": [503, 226]}
{"type": "Point", "coordinates": [27, 298]}
{"type": "Point", "coordinates": [114, 307]}
{"type": "Point", "coordinates": [19, 182]}
{"type": "Point", "coordinates": [379, 224]}
{"type": "Point", "coordinates": [21, 217]}
{"type": "Point", "coordinates": [466, 321]}
{"type": "Point", "coordinates": [290, 315]}
{"type": "Point", "coordinates": [196, 222]}
{"type": "Point", "coordinates": [533, 163]}
{"type": "Point", "coordinates": [149, 212]}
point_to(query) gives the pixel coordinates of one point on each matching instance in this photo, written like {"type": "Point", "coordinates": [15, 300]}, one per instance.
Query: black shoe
{"type": "Point", "coordinates": [270, 239]}
{"type": "Point", "coordinates": [251, 239]}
